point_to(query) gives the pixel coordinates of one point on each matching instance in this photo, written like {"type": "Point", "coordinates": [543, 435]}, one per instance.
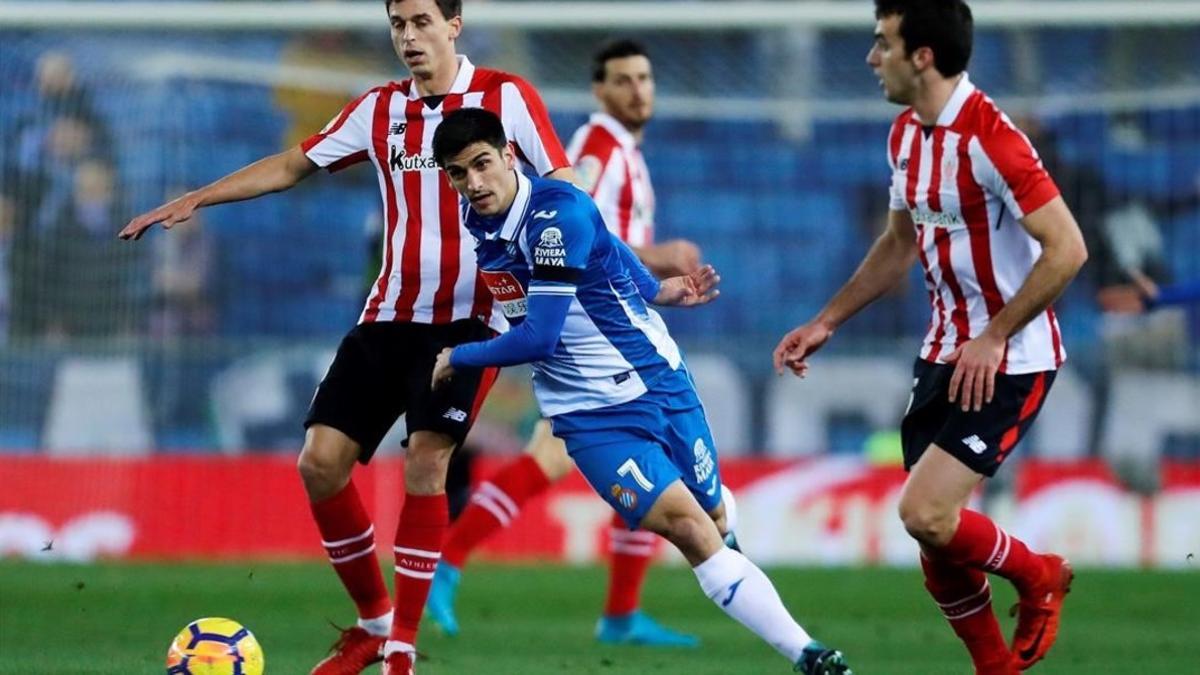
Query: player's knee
{"type": "Point", "coordinates": [690, 535]}
{"type": "Point", "coordinates": [322, 470]}
{"type": "Point", "coordinates": [720, 519]}
{"type": "Point", "coordinates": [926, 523]}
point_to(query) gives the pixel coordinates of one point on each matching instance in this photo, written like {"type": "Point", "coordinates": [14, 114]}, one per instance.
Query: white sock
{"type": "Point", "coordinates": [380, 625]}
{"type": "Point", "coordinates": [392, 646]}
{"type": "Point", "coordinates": [742, 591]}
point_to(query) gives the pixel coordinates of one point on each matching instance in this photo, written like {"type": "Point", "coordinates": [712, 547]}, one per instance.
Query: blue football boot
{"type": "Point", "coordinates": [636, 628]}
{"type": "Point", "coordinates": [440, 605]}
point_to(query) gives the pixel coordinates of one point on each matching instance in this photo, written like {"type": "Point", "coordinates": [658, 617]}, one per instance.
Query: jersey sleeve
{"type": "Point", "coordinates": [896, 201]}
{"type": "Point", "coordinates": [560, 238]}
{"type": "Point", "coordinates": [647, 284]}
{"type": "Point", "coordinates": [346, 140]}
{"type": "Point", "coordinates": [1019, 176]}
{"type": "Point", "coordinates": [528, 125]}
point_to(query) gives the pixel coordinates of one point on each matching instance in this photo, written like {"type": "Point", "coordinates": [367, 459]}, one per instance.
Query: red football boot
{"type": "Point", "coordinates": [1038, 612]}
{"type": "Point", "coordinates": [352, 653]}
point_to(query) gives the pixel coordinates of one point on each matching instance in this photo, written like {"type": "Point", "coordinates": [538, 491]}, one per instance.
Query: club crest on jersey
{"type": "Point", "coordinates": [550, 251]}
{"type": "Point", "coordinates": [400, 160]}
{"type": "Point", "coordinates": [624, 496]}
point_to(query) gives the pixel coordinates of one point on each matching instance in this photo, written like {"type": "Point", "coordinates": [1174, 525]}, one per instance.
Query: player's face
{"type": "Point", "coordinates": [485, 176]}
{"type": "Point", "coordinates": [627, 92]}
{"type": "Point", "coordinates": [887, 58]}
{"type": "Point", "coordinates": [422, 37]}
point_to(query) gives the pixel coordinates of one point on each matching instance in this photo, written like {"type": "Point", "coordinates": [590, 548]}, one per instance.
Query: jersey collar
{"type": "Point", "coordinates": [962, 91]}
{"type": "Point", "coordinates": [462, 81]}
{"type": "Point", "coordinates": [516, 212]}
{"type": "Point", "coordinates": [614, 127]}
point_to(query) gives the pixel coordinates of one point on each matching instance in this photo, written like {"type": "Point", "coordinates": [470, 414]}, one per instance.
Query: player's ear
{"type": "Point", "coordinates": [455, 27]}
{"type": "Point", "coordinates": [922, 58]}
{"type": "Point", "coordinates": [510, 158]}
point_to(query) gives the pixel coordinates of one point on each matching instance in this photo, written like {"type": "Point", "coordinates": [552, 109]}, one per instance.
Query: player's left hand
{"type": "Point", "coordinates": [975, 366]}
{"type": "Point", "coordinates": [442, 370]}
{"type": "Point", "coordinates": [689, 290]}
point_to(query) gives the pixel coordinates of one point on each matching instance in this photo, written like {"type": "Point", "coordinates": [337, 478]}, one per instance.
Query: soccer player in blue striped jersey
{"type": "Point", "coordinates": [606, 372]}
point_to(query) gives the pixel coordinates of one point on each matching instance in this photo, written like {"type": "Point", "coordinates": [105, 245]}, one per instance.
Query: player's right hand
{"type": "Point", "coordinates": [175, 211]}
{"type": "Point", "coordinates": [795, 347]}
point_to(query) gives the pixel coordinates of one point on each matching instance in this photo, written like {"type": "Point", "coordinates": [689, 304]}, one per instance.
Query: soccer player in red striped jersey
{"type": "Point", "coordinates": [609, 166]}
{"type": "Point", "coordinates": [428, 296]}
{"type": "Point", "coordinates": [971, 201]}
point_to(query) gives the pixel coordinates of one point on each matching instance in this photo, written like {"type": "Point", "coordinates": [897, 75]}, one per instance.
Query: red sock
{"type": "Point", "coordinates": [980, 543]}
{"type": "Point", "coordinates": [965, 598]}
{"type": "Point", "coordinates": [494, 504]}
{"type": "Point", "coordinates": [349, 539]}
{"type": "Point", "coordinates": [631, 556]}
{"type": "Point", "coordinates": [423, 523]}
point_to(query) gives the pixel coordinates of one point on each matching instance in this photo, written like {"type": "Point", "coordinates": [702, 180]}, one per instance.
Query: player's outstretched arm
{"type": "Point", "coordinates": [894, 252]}
{"type": "Point", "coordinates": [689, 290]}
{"type": "Point", "coordinates": [670, 258]}
{"type": "Point", "coordinates": [270, 174]}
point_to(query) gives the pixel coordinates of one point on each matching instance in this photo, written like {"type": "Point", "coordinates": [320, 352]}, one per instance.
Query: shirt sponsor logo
{"type": "Point", "coordinates": [400, 160]}
{"type": "Point", "coordinates": [507, 291]}
{"type": "Point", "coordinates": [936, 218]}
{"type": "Point", "coordinates": [550, 250]}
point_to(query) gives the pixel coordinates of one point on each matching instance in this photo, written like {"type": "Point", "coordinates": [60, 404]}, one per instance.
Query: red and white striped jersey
{"type": "Point", "coordinates": [609, 165]}
{"type": "Point", "coordinates": [967, 180]}
{"type": "Point", "coordinates": [428, 273]}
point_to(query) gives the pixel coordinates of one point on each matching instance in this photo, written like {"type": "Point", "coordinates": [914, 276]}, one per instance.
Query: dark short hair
{"type": "Point", "coordinates": [449, 8]}
{"type": "Point", "coordinates": [614, 49]}
{"type": "Point", "coordinates": [945, 26]}
{"type": "Point", "coordinates": [463, 128]}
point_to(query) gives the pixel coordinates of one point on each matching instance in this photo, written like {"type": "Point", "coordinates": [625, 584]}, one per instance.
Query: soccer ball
{"type": "Point", "coordinates": [215, 646]}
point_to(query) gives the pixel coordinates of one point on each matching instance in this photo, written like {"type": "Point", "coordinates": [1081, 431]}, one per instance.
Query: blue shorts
{"type": "Point", "coordinates": [631, 452]}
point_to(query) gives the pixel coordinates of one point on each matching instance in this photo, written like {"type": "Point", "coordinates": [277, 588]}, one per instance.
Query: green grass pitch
{"type": "Point", "coordinates": [529, 620]}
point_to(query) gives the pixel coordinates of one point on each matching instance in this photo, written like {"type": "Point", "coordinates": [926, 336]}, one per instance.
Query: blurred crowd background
{"type": "Point", "coordinates": [767, 150]}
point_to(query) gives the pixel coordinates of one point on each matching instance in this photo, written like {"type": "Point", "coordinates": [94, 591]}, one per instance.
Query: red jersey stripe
{"type": "Point", "coordinates": [451, 229]}
{"type": "Point", "coordinates": [410, 258]}
{"type": "Point", "coordinates": [379, 140]}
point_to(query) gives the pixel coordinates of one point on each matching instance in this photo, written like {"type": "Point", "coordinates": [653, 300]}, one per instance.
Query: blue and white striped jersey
{"type": "Point", "coordinates": [553, 242]}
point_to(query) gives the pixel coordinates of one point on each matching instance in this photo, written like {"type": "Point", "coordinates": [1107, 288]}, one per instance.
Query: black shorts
{"type": "Point", "coordinates": [981, 440]}
{"type": "Point", "coordinates": [382, 370]}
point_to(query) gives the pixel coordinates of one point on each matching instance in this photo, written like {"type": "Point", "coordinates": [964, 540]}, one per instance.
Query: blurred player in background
{"type": "Point", "coordinates": [971, 200]}
{"type": "Point", "coordinates": [428, 296]}
{"type": "Point", "coordinates": [606, 372]}
{"type": "Point", "coordinates": [609, 166]}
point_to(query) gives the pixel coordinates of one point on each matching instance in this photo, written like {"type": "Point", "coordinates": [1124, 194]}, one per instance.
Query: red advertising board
{"type": "Point", "coordinates": [834, 510]}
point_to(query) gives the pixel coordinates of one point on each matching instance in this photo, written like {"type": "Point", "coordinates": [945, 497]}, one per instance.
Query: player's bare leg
{"type": "Point", "coordinates": [424, 519]}
{"type": "Point", "coordinates": [325, 466]}
{"type": "Point", "coordinates": [959, 546]}
{"type": "Point", "coordinates": [735, 583]}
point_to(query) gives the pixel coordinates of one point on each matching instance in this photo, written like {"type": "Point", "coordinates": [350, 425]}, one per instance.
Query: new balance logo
{"type": "Point", "coordinates": [732, 592]}
{"type": "Point", "coordinates": [456, 415]}
{"type": "Point", "coordinates": [397, 128]}
{"type": "Point", "coordinates": [975, 443]}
